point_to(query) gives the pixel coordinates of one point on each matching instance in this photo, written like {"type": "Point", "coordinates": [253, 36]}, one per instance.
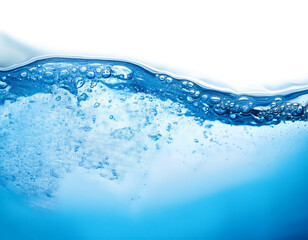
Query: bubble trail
{"type": "Point", "coordinates": [201, 102]}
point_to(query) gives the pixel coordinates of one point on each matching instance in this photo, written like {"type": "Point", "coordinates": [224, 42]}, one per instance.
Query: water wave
{"type": "Point", "coordinates": [124, 124]}
{"type": "Point", "coordinates": [204, 103]}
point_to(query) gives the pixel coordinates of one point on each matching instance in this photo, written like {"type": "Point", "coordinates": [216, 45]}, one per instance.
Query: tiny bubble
{"type": "Point", "coordinates": [87, 128]}
{"type": "Point", "coordinates": [23, 74]}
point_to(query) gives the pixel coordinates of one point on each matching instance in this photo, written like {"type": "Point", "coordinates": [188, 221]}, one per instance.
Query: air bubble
{"type": "Point", "coordinates": [190, 99]}
{"type": "Point", "coordinates": [278, 100]}
{"type": "Point", "coordinates": [24, 74]}
{"type": "Point", "coordinates": [106, 73]}
{"type": "Point", "coordinates": [90, 75]}
{"type": "Point", "coordinates": [220, 111]}
{"type": "Point", "coordinates": [49, 77]}
{"type": "Point", "coordinates": [162, 77]}
{"type": "Point", "coordinates": [273, 104]}
{"type": "Point", "coordinates": [215, 100]}
{"type": "Point", "coordinates": [205, 134]}
{"type": "Point", "coordinates": [192, 92]}
{"type": "Point", "coordinates": [93, 83]}
{"type": "Point", "coordinates": [196, 95]}
{"type": "Point", "coordinates": [3, 85]}
{"type": "Point", "coordinates": [232, 116]}
{"type": "Point", "coordinates": [83, 69]}
{"type": "Point", "coordinates": [204, 97]}
{"type": "Point", "coordinates": [259, 119]}
{"type": "Point", "coordinates": [87, 128]}
{"type": "Point", "coordinates": [32, 70]}
{"type": "Point", "coordinates": [245, 109]}
{"type": "Point", "coordinates": [48, 74]}
{"type": "Point", "coordinates": [64, 74]}
{"type": "Point", "coordinates": [82, 97]}
{"type": "Point", "coordinates": [96, 105]}
{"type": "Point", "coordinates": [80, 82]}
{"type": "Point", "coordinates": [190, 84]}
{"type": "Point", "coordinates": [121, 72]}
{"type": "Point", "coordinates": [168, 79]}
{"type": "Point", "coordinates": [299, 109]}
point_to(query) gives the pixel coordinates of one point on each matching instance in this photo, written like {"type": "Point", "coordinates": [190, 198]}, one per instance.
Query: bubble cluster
{"type": "Point", "coordinates": [88, 114]}
{"type": "Point", "coordinates": [230, 108]}
{"type": "Point", "coordinates": [201, 102]}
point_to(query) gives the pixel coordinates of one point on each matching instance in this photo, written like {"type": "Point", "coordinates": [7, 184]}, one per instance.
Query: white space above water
{"type": "Point", "coordinates": [252, 46]}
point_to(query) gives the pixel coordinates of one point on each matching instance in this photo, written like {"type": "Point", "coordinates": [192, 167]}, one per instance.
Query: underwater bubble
{"type": "Point", "coordinates": [196, 94]}
{"type": "Point", "coordinates": [106, 73]}
{"type": "Point", "coordinates": [162, 77]}
{"type": "Point", "coordinates": [98, 70]}
{"type": "Point", "coordinates": [190, 99]}
{"type": "Point", "coordinates": [246, 108]}
{"type": "Point", "coordinates": [94, 82]}
{"type": "Point", "coordinates": [168, 79]}
{"type": "Point", "coordinates": [96, 105]}
{"type": "Point", "coordinates": [278, 100]}
{"type": "Point", "coordinates": [48, 74]}
{"type": "Point", "coordinates": [80, 82]}
{"type": "Point", "coordinates": [64, 74]}
{"type": "Point", "coordinates": [121, 72]}
{"type": "Point", "coordinates": [90, 75]}
{"type": "Point", "coordinates": [232, 116]}
{"type": "Point", "coordinates": [3, 85]}
{"type": "Point", "coordinates": [48, 77]}
{"type": "Point", "coordinates": [83, 97]}
{"type": "Point", "coordinates": [219, 110]}
{"type": "Point", "coordinates": [87, 128]}
{"type": "Point", "coordinates": [155, 137]}
{"type": "Point", "coordinates": [204, 97]}
{"type": "Point", "coordinates": [24, 74]}
{"type": "Point", "coordinates": [215, 100]}
{"type": "Point", "coordinates": [190, 84]}
{"type": "Point", "coordinates": [83, 69]}
{"type": "Point", "coordinates": [191, 92]}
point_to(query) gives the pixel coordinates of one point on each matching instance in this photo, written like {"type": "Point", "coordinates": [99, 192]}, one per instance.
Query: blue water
{"type": "Point", "coordinates": [104, 149]}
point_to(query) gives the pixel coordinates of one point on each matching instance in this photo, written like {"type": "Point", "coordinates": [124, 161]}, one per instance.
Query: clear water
{"type": "Point", "coordinates": [101, 149]}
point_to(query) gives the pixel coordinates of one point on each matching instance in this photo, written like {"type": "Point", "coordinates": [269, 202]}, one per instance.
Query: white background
{"type": "Point", "coordinates": [243, 45]}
